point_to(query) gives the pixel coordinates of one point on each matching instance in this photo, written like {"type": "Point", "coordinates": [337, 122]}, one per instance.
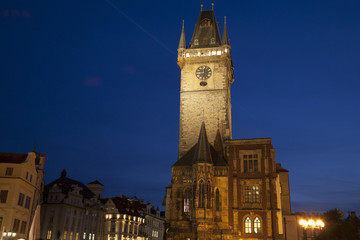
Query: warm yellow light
{"type": "Point", "coordinates": [320, 223]}
{"type": "Point", "coordinates": [311, 223]}
{"type": "Point", "coordinates": [303, 223]}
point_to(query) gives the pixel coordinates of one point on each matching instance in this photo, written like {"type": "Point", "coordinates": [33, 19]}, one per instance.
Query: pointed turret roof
{"type": "Point", "coordinates": [201, 152]}
{"type": "Point", "coordinates": [218, 143]}
{"type": "Point", "coordinates": [206, 33]}
{"type": "Point", "coordinates": [182, 42]}
{"type": "Point", "coordinates": [225, 38]}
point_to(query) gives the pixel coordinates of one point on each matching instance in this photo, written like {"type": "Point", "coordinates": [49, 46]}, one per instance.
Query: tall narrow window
{"type": "Point", "coordinates": [247, 225]}
{"type": "Point", "coordinates": [65, 233]}
{"type": "Point", "coordinates": [217, 200]}
{"type": "Point", "coordinates": [16, 225]}
{"type": "Point", "coordinates": [208, 194]}
{"type": "Point", "coordinates": [27, 202]}
{"type": "Point", "coordinates": [187, 200]}
{"type": "Point", "coordinates": [3, 196]}
{"type": "Point", "coordinates": [23, 227]}
{"type": "Point", "coordinates": [257, 225]}
{"type": "Point", "coordinates": [21, 199]}
{"type": "Point", "coordinates": [201, 194]}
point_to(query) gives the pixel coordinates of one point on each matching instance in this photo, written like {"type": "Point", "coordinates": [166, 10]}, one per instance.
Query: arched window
{"type": "Point", "coordinates": [208, 192]}
{"type": "Point", "coordinates": [201, 194]}
{"type": "Point", "coordinates": [217, 200]}
{"type": "Point", "coordinates": [187, 196]}
{"type": "Point", "coordinates": [247, 225]}
{"type": "Point", "coordinates": [257, 225]}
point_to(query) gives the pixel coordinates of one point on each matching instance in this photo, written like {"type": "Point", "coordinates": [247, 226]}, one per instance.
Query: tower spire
{"type": "Point", "coordinates": [225, 38]}
{"type": "Point", "coordinates": [182, 42]}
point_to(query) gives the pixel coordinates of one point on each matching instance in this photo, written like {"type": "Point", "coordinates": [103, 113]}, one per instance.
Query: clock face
{"type": "Point", "coordinates": [203, 72]}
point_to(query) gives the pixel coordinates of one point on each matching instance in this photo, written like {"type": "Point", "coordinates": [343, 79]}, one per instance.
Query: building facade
{"type": "Point", "coordinates": [124, 219]}
{"type": "Point", "coordinates": [21, 186]}
{"type": "Point", "coordinates": [71, 211]}
{"type": "Point", "coordinates": [221, 188]}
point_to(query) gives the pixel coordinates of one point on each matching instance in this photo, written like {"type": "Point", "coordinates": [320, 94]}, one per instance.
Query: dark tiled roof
{"type": "Point", "coordinates": [206, 29]}
{"type": "Point", "coordinates": [128, 206]}
{"type": "Point", "coordinates": [96, 182]}
{"type": "Point", "coordinates": [279, 168]}
{"type": "Point", "coordinates": [201, 152]}
{"type": "Point", "coordinates": [66, 184]}
{"type": "Point", "coordinates": [12, 157]}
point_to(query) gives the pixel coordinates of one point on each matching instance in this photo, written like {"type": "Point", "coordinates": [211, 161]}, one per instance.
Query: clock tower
{"type": "Point", "coordinates": [206, 77]}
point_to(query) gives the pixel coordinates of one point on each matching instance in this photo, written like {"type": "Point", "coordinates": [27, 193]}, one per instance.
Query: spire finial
{"type": "Point", "coordinates": [225, 19]}
{"type": "Point", "coordinates": [183, 23]}
{"type": "Point", "coordinates": [34, 150]}
{"type": "Point", "coordinates": [212, 6]}
{"type": "Point", "coordinates": [201, 6]}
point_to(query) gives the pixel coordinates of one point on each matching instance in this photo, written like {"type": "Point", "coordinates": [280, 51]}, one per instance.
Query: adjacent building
{"type": "Point", "coordinates": [221, 188]}
{"type": "Point", "coordinates": [72, 211]}
{"type": "Point", "coordinates": [21, 186]}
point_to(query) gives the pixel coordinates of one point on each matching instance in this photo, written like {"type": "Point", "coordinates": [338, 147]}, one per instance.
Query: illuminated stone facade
{"type": "Point", "coordinates": [221, 188]}
{"type": "Point", "coordinates": [21, 186]}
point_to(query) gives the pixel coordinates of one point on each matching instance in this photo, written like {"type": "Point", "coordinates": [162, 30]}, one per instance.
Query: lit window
{"type": "Point", "coordinates": [250, 163]}
{"type": "Point", "coordinates": [257, 225]}
{"type": "Point", "coordinates": [252, 194]}
{"type": "Point", "coordinates": [213, 53]}
{"type": "Point", "coordinates": [65, 233]}
{"type": "Point", "coordinates": [48, 235]}
{"type": "Point", "coordinates": [226, 50]}
{"type": "Point", "coordinates": [84, 236]}
{"type": "Point", "coordinates": [187, 55]}
{"type": "Point", "coordinates": [187, 201]}
{"type": "Point", "coordinates": [218, 52]}
{"type": "Point", "coordinates": [77, 236]}
{"type": "Point", "coordinates": [71, 235]}
{"type": "Point", "coordinates": [247, 225]}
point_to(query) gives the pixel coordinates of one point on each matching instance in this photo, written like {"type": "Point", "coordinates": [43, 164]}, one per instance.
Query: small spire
{"type": "Point", "coordinates": [212, 6]}
{"type": "Point", "coordinates": [182, 42]}
{"type": "Point", "coordinates": [34, 150]}
{"type": "Point", "coordinates": [225, 38]}
{"type": "Point", "coordinates": [201, 6]}
{"type": "Point", "coordinates": [63, 173]}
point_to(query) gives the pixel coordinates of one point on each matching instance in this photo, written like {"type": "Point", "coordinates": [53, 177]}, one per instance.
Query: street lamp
{"type": "Point", "coordinates": [311, 224]}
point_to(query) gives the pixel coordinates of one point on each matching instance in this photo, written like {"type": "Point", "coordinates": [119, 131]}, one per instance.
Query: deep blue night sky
{"type": "Point", "coordinates": [97, 85]}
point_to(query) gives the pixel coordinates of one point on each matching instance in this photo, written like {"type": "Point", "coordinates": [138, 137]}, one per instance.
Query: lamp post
{"type": "Point", "coordinates": [310, 224]}
{"type": "Point", "coordinates": [7, 235]}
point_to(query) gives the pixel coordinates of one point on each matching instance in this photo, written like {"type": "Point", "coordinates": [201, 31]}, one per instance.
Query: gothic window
{"type": "Point", "coordinates": [201, 194]}
{"type": "Point", "coordinates": [257, 225]}
{"type": "Point", "coordinates": [217, 200]}
{"type": "Point", "coordinates": [187, 200]}
{"type": "Point", "coordinates": [250, 163]}
{"type": "Point", "coordinates": [252, 194]}
{"type": "Point", "coordinates": [208, 190]}
{"type": "Point", "coordinates": [247, 225]}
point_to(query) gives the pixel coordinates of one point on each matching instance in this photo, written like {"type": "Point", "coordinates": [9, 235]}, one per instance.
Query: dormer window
{"type": "Point", "coordinates": [212, 41]}
{"type": "Point", "coordinates": [196, 42]}
{"type": "Point", "coordinates": [205, 23]}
